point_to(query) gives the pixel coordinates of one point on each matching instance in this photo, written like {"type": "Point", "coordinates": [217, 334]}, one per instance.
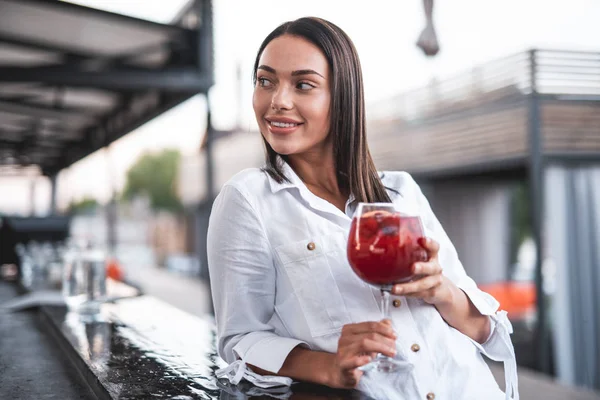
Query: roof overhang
{"type": "Point", "coordinates": [74, 79]}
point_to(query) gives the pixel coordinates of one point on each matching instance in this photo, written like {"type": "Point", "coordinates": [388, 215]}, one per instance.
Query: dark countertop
{"type": "Point", "coordinates": [31, 366]}
{"type": "Point", "coordinates": [139, 348]}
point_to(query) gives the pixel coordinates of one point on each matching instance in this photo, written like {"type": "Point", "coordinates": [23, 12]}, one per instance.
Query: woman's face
{"type": "Point", "coordinates": [292, 96]}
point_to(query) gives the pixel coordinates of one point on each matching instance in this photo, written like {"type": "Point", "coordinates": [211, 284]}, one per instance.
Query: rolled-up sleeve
{"type": "Point", "coordinates": [242, 276]}
{"type": "Point", "coordinates": [498, 346]}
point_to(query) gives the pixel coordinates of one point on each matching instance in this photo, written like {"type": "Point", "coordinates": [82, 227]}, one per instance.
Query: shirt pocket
{"type": "Point", "coordinates": [308, 263]}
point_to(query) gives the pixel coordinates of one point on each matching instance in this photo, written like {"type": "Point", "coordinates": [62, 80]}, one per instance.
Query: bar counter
{"type": "Point", "coordinates": [138, 348]}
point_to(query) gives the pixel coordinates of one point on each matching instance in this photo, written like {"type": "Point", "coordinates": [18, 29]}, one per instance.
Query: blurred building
{"type": "Point", "coordinates": [530, 118]}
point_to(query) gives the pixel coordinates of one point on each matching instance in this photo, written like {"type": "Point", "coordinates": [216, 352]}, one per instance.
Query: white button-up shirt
{"type": "Point", "coordinates": [272, 291]}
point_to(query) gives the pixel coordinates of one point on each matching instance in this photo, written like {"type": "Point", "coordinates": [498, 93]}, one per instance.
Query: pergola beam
{"type": "Point", "coordinates": [188, 80]}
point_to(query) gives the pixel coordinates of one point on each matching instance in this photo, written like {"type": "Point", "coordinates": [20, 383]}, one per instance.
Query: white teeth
{"type": "Point", "coordinates": [283, 124]}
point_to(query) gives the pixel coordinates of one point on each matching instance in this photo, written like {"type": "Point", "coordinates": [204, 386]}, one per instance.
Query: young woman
{"type": "Point", "coordinates": [287, 303]}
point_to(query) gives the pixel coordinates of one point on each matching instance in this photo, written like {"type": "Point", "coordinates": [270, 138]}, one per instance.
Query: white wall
{"type": "Point", "coordinates": [476, 217]}
{"type": "Point", "coordinates": [230, 154]}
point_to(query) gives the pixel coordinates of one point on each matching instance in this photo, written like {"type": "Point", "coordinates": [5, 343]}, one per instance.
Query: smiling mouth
{"type": "Point", "coordinates": [283, 124]}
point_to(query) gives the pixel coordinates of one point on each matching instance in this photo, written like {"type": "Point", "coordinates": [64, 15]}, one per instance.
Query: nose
{"type": "Point", "coordinates": [282, 99]}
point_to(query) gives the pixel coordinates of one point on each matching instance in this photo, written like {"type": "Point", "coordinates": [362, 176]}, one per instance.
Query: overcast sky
{"type": "Point", "coordinates": [384, 32]}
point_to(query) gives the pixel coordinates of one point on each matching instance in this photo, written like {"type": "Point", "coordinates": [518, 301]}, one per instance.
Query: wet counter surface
{"type": "Point", "coordinates": [143, 348]}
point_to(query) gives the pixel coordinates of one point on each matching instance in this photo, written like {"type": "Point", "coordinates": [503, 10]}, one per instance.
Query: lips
{"type": "Point", "coordinates": [282, 125]}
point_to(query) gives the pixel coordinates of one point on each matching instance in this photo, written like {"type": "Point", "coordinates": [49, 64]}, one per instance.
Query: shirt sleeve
{"type": "Point", "coordinates": [498, 346]}
{"type": "Point", "coordinates": [242, 277]}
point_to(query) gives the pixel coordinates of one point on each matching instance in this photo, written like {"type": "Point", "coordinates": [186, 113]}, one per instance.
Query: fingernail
{"type": "Point", "coordinates": [398, 290]}
{"type": "Point", "coordinates": [393, 351]}
{"type": "Point", "coordinates": [417, 268]}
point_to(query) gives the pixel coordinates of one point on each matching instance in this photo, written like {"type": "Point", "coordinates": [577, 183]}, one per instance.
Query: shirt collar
{"type": "Point", "coordinates": [296, 182]}
{"type": "Point", "coordinates": [288, 172]}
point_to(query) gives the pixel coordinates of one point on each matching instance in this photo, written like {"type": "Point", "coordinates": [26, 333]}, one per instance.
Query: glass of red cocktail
{"type": "Point", "coordinates": [383, 245]}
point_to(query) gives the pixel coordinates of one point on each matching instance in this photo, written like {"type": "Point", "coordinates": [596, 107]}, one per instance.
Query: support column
{"type": "Point", "coordinates": [536, 171]}
{"type": "Point", "coordinates": [32, 188]}
{"type": "Point", "coordinates": [205, 205]}
{"type": "Point", "coordinates": [111, 208]}
{"type": "Point", "coordinates": [205, 54]}
{"type": "Point", "coordinates": [53, 193]}
{"type": "Point", "coordinates": [208, 150]}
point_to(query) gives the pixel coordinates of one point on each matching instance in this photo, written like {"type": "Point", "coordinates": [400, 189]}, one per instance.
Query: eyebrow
{"type": "Point", "coordinates": [294, 73]}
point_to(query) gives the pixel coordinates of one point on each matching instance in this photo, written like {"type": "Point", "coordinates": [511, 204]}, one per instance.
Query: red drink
{"type": "Point", "coordinates": [383, 246]}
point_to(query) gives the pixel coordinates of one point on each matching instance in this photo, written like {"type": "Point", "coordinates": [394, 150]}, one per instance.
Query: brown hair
{"type": "Point", "coordinates": [353, 162]}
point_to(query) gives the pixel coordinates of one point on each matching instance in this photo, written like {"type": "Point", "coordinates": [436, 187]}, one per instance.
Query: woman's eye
{"type": "Point", "coordinates": [263, 82]}
{"type": "Point", "coordinates": [304, 86]}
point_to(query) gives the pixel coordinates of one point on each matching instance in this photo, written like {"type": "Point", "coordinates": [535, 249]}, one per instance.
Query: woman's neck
{"type": "Point", "coordinates": [318, 173]}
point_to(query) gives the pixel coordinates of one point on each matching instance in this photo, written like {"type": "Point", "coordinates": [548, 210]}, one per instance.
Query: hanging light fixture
{"type": "Point", "coordinates": [427, 40]}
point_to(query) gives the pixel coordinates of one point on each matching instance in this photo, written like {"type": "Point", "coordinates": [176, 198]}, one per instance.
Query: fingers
{"type": "Point", "coordinates": [368, 345]}
{"type": "Point", "coordinates": [422, 285]}
{"type": "Point", "coordinates": [355, 362]}
{"type": "Point", "coordinates": [383, 328]}
{"type": "Point", "coordinates": [350, 343]}
{"type": "Point", "coordinates": [427, 268]}
{"type": "Point", "coordinates": [359, 344]}
{"type": "Point", "coordinates": [430, 245]}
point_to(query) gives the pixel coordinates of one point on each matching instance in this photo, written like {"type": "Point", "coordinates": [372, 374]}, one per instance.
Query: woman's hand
{"type": "Point", "coordinates": [357, 346]}
{"type": "Point", "coordinates": [451, 302]}
{"type": "Point", "coordinates": [430, 286]}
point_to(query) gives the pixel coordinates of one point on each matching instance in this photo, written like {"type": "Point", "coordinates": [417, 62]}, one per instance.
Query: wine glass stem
{"type": "Point", "coordinates": [385, 302]}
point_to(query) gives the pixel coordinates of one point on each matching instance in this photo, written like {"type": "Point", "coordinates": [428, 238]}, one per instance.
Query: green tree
{"type": "Point", "coordinates": [155, 175]}
{"type": "Point", "coordinates": [83, 206]}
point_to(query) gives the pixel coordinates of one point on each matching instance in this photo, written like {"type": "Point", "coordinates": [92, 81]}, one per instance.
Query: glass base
{"type": "Point", "coordinates": [386, 365]}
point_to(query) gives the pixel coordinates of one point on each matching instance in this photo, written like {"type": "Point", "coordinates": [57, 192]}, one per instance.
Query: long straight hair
{"type": "Point", "coordinates": [354, 165]}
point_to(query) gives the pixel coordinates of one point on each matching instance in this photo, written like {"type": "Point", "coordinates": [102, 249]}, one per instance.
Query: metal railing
{"type": "Point", "coordinates": [567, 73]}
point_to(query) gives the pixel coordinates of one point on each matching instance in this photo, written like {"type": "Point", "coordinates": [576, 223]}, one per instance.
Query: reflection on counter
{"type": "Point", "coordinates": [140, 348]}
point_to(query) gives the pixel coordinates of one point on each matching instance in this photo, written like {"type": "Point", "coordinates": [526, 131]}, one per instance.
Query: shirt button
{"type": "Point", "coordinates": [311, 246]}
{"type": "Point", "coordinates": [396, 303]}
{"type": "Point", "coordinates": [415, 347]}
{"type": "Point", "coordinates": [430, 396]}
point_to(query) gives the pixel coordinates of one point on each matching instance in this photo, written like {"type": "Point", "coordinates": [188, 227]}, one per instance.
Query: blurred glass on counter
{"type": "Point", "coordinates": [84, 279]}
{"type": "Point", "coordinates": [39, 263]}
